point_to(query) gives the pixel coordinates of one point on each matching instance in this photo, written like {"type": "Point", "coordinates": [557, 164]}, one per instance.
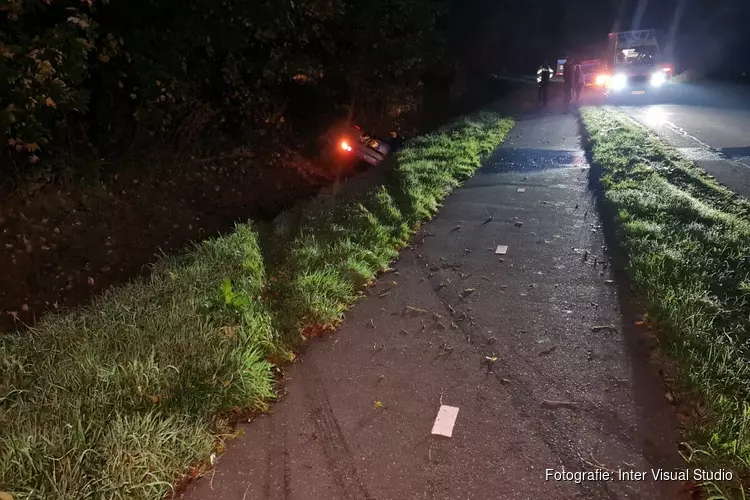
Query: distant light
{"type": "Point", "coordinates": [658, 79]}
{"type": "Point", "coordinates": [619, 82]}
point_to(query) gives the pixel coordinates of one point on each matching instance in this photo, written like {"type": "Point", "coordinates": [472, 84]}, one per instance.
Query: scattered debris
{"type": "Point", "coordinates": [554, 405]}
{"type": "Point", "coordinates": [602, 328]}
{"type": "Point", "coordinates": [669, 396]}
{"type": "Point", "coordinates": [586, 255]}
{"type": "Point", "coordinates": [415, 311]}
{"type": "Point", "coordinates": [501, 250]}
{"type": "Point", "coordinates": [384, 294]}
{"type": "Point", "coordinates": [518, 223]}
{"type": "Point", "coordinates": [490, 362]}
{"type": "Point", "coordinates": [609, 282]}
{"type": "Point", "coordinates": [452, 311]}
{"type": "Point", "coordinates": [640, 323]}
{"type": "Point", "coordinates": [441, 326]}
{"type": "Point", "coordinates": [445, 421]}
{"type": "Point", "coordinates": [403, 332]}
{"type": "Point", "coordinates": [371, 323]}
{"type": "Point", "coordinates": [488, 220]}
{"type": "Point", "coordinates": [485, 278]}
{"type": "Point", "coordinates": [521, 190]}
{"type": "Point", "coordinates": [444, 350]}
{"type": "Point", "coordinates": [467, 292]}
{"type": "Point", "coordinates": [457, 228]}
{"type": "Point", "coordinates": [377, 404]}
{"type": "Point", "coordinates": [504, 381]}
{"type": "Point", "coordinates": [576, 206]}
{"type": "Point", "coordinates": [547, 352]}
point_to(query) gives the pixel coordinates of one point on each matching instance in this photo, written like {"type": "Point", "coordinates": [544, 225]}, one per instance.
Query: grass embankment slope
{"type": "Point", "coordinates": [123, 399]}
{"type": "Point", "coordinates": [687, 239]}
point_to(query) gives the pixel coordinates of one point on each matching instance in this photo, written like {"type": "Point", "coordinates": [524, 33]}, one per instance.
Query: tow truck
{"type": "Point", "coordinates": [634, 65]}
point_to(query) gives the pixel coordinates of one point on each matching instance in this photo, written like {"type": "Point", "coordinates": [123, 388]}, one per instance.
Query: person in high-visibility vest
{"type": "Point", "coordinates": [543, 77]}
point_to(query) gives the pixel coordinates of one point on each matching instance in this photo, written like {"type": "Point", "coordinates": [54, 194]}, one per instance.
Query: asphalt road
{"type": "Point", "coordinates": [708, 122]}
{"type": "Point", "coordinates": [355, 421]}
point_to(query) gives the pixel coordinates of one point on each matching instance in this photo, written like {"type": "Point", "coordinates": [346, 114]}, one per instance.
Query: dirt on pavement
{"type": "Point", "coordinates": [537, 348]}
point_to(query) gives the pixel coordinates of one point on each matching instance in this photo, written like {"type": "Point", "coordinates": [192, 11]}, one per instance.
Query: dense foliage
{"type": "Point", "coordinates": [97, 76]}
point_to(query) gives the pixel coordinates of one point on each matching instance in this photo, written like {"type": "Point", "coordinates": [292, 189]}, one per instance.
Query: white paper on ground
{"type": "Point", "coordinates": [445, 420]}
{"type": "Point", "coordinates": [501, 249]}
{"type": "Point", "coordinates": [521, 190]}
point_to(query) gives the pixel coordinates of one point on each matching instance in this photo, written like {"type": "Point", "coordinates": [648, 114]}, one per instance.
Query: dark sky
{"type": "Point", "coordinates": [520, 33]}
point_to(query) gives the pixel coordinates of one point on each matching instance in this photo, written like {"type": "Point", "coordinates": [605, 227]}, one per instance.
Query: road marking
{"type": "Point", "coordinates": [521, 190]}
{"type": "Point", "coordinates": [445, 420]}
{"type": "Point", "coordinates": [705, 153]}
{"type": "Point", "coordinates": [501, 250]}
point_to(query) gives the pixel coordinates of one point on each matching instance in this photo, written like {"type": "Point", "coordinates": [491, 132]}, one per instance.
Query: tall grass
{"type": "Point", "coordinates": [124, 399]}
{"type": "Point", "coordinates": [688, 244]}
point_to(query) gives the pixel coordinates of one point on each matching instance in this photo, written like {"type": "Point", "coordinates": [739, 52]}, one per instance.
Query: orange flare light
{"type": "Point", "coordinates": [345, 146]}
{"type": "Point", "coordinates": [602, 79]}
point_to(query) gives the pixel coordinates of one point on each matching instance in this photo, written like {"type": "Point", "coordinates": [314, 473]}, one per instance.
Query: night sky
{"type": "Point", "coordinates": [519, 34]}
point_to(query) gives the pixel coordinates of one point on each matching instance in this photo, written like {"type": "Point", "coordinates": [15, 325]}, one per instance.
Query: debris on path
{"type": "Point", "coordinates": [601, 328]}
{"type": "Point", "coordinates": [554, 405]}
{"type": "Point", "coordinates": [445, 421]}
{"type": "Point", "coordinates": [501, 250]}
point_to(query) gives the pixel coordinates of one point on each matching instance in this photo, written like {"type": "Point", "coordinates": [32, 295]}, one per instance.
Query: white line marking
{"type": "Point", "coordinates": [521, 190]}
{"type": "Point", "coordinates": [445, 420]}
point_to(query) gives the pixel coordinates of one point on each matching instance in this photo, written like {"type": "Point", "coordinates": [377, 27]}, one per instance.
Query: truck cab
{"type": "Point", "coordinates": [635, 64]}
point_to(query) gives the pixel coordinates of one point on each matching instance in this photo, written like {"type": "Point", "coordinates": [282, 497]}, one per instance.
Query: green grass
{"type": "Point", "coordinates": [687, 239]}
{"type": "Point", "coordinates": [128, 397]}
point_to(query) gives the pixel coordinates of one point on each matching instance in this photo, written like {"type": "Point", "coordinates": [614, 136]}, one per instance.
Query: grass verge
{"type": "Point", "coordinates": [687, 239]}
{"type": "Point", "coordinates": [126, 398]}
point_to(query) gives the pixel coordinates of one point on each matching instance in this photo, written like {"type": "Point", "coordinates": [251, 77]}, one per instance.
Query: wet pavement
{"type": "Point", "coordinates": [537, 348]}
{"type": "Point", "coordinates": [709, 123]}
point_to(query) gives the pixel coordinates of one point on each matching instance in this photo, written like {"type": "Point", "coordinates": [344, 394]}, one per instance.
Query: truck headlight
{"type": "Point", "coordinates": [658, 78]}
{"type": "Point", "coordinates": [619, 82]}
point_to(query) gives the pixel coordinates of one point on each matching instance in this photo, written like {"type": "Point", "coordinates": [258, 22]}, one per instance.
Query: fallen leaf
{"type": "Point", "coordinates": [5, 496]}
{"type": "Point", "coordinates": [50, 102]}
{"type": "Point", "coordinates": [91, 280]}
{"type": "Point", "coordinates": [640, 323]}
{"type": "Point", "coordinates": [378, 404]}
{"type": "Point", "coordinates": [154, 399]}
